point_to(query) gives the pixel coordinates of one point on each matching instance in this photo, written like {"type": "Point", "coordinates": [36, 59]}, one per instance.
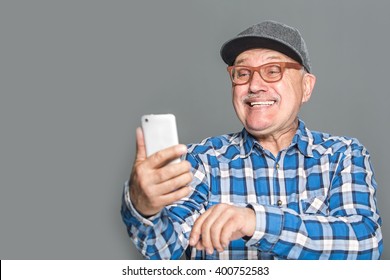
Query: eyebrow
{"type": "Point", "coordinates": [272, 57]}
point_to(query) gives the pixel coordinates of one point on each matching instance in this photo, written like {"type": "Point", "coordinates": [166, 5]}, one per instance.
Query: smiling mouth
{"type": "Point", "coordinates": [262, 103]}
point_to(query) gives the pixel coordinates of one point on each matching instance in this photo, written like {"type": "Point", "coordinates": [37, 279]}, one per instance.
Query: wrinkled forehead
{"type": "Point", "coordinates": [261, 56]}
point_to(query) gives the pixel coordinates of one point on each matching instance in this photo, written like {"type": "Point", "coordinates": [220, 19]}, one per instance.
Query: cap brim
{"type": "Point", "coordinates": [231, 49]}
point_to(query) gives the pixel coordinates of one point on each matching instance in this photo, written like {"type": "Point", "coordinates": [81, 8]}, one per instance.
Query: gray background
{"type": "Point", "coordinates": [76, 76]}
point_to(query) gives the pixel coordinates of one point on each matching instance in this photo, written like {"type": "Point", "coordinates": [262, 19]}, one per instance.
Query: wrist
{"type": "Point", "coordinates": [250, 225]}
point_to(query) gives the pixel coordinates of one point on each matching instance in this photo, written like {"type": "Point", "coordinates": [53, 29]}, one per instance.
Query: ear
{"type": "Point", "coordinates": [308, 82]}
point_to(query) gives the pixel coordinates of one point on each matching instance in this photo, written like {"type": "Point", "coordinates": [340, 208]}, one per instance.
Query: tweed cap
{"type": "Point", "coordinates": [268, 35]}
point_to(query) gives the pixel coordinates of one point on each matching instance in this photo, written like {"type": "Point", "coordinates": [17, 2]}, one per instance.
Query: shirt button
{"type": "Point", "coordinates": [277, 166]}
{"type": "Point", "coordinates": [279, 203]}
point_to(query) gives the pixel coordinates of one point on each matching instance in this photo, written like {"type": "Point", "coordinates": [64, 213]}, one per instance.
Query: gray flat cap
{"type": "Point", "coordinates": [268, 35]}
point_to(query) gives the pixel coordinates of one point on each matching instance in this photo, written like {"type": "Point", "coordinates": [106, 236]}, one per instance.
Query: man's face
{"type": "Point", "coordinates": [270, 109]}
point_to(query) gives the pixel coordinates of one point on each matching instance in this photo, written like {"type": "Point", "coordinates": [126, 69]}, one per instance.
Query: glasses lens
{"type": "Point", "coordinates": [271, 72]}
{"type": "Point", "coordinates": [241, 75]}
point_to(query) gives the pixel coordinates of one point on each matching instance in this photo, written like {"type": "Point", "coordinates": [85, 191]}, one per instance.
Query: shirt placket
{"type": "Point", "coordinates": [279, 195]}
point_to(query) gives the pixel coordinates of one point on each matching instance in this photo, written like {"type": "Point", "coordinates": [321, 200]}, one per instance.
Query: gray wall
{"type": "Point", "coordinates": [76, 76]}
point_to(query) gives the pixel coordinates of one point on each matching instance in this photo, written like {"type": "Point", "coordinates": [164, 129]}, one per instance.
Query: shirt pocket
{"type": "Point", "coordinates": [315, 205]}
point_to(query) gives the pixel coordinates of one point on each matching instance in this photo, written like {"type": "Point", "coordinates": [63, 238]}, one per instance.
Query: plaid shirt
{"type": "Point", "coordinates": [314, 200]}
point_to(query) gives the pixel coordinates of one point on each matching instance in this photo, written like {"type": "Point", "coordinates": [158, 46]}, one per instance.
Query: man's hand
{"type": "Point", "coordinates": [154, 183]}
{"type": "Point", "coordinates": [221, 224]}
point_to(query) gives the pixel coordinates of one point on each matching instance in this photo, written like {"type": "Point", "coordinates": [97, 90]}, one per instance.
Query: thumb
{"type": "Point", "coordinates": [141, 149]}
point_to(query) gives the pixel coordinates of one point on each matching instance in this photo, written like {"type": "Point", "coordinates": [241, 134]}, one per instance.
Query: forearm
{"type": "Point", "coordinates": [156, 237]}
{"type": "Point", "coordinates": [289, 235]}
{"type": "Point", "coordinates": [166, 234]}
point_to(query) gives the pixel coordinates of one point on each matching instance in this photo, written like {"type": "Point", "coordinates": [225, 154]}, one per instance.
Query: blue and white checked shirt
{"type": "Point", "coordinates": [314, 200]}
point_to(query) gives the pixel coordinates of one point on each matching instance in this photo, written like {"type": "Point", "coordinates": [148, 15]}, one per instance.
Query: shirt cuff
{"type": "Point", "coordinates": [145, 221]}
{"type": "Point", "coordinates": [269, 224]}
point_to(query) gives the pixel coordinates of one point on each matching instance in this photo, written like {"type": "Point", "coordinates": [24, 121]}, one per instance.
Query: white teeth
{"type": "Point", "coordinates": [262, 103]}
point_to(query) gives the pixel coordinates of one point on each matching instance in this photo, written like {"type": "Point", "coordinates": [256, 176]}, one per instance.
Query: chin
{"type": "Point", "coordinates": [258, 130]}
{"type": "Point", "coordinates": [258, 125]}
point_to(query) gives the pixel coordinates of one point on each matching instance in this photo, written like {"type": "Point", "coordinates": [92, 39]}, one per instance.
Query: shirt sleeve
{"type": "Point", "coordinates": [343, 225]}
{"type": "Point", "coordinates": [166, 234]}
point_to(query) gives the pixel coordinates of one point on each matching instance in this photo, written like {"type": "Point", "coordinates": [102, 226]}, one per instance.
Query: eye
{"type": "Point", "coordinates": [273, 70]}
{"type": "Point", "coordinates": [241, 73]}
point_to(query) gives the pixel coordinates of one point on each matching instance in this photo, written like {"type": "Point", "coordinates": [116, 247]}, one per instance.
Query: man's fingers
{"type": "Point", "coordinates": [212, 226]}
{"type": "Point", "coordinates": [221, 224]}
{"type": "Point", "coordinates": [199, 246]}
{"type": "Point", "coordinates": [175, 183]}
{"type": "Point", "coordinates": [167, 155]}
{"type": "Point", "coordinates": [196, 229]}
{"type": "Point", "coordinates": [141, 149]}
{"type": "Point", "coordinates": [227, 231]}
{"type": "Point", "coordinates": [172, 171]}
{"type": "Point", "coordinates": [175, 196]}
{"type": "Point", "coordinates": [218, 226]}
{"type": "Point", "coordinates": [204, 229]}
{"type": "Point", "coordinates": [167, 182]}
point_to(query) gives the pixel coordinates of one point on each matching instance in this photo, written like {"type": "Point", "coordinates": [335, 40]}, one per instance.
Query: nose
{"type": "Point", "coordinates": [257, 83]}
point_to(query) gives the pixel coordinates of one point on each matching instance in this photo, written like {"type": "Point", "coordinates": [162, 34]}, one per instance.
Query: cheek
{"type": "Point", "coordinates": [291, 94]}
{"type": "Point", "coordinates": [237, 95]}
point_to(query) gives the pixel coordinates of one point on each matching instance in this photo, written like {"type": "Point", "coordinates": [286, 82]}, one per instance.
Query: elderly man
{"type": "Point", "coordinates": [275, 190]}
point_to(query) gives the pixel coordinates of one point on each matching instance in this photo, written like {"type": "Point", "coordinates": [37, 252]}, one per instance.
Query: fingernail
{"type": "Point", "coordinates": [209, 251]}
{"type": "Point", "coordinates": [182, 148]}
{"type": "Point", "coordinates": [192, 241]}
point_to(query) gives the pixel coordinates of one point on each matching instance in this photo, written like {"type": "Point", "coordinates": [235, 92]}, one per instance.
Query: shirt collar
{"type": "Point", "coordinates": [247, 143]}
{"type": "Point", "coordinates": [303, 140]}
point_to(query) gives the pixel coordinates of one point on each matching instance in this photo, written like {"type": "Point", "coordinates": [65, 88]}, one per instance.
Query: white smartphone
{"type": "Point", "coordinates": [160, 132]}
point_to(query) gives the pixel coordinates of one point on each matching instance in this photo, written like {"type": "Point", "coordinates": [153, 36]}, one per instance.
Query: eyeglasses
{"type": "Point", "coordinates": [270, 72]}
